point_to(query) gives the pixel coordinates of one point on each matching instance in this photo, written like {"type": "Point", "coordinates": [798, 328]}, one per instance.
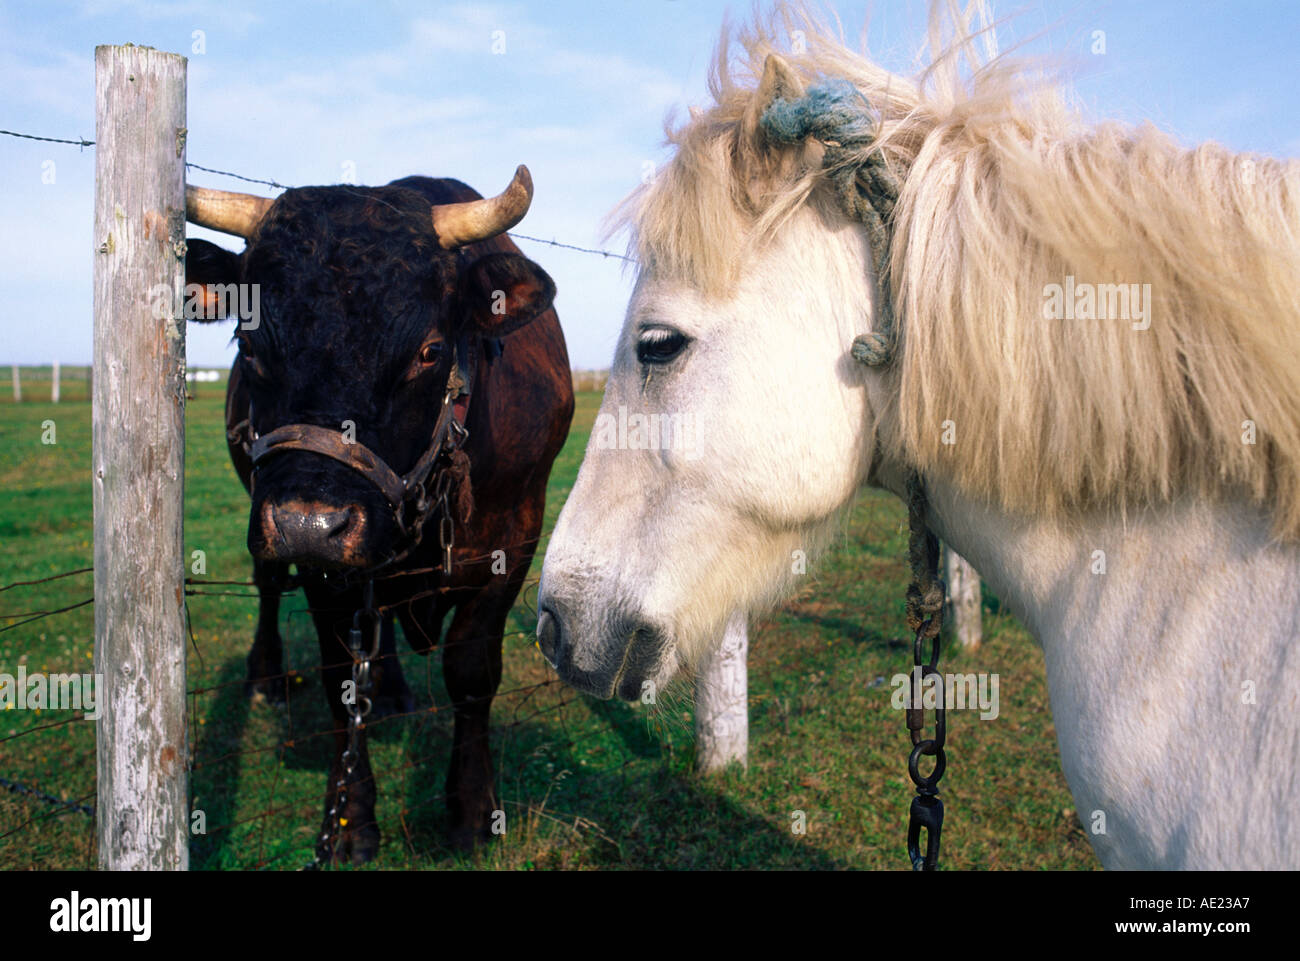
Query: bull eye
{"type": "Point", "coordinates": [659, 345]}
{"type": "Point", "coordinates": [430, 354]}
{"type": "Point", "coordinates": [252, 365]}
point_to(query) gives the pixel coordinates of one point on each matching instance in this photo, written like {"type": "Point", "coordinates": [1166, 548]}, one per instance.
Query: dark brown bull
{"type": "Point", "coordinates": [375, 303]}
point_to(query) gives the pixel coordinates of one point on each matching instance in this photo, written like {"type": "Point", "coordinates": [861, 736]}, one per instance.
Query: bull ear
{"type": "Point", "coordinates": [503, 292]}
{"type": "Point", "coordinates": [208, 267]}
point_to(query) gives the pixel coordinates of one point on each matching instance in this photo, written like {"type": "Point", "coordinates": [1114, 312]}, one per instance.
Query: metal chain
{"type": "Point", "coordinates": [434, 490]}
{"type": "Point", "coordinates": [925, 600]}
{"type": "Point", "coordinates": [446, 535]}
{"type": "Point", "coordinates": [358, 708]}
{"type": "Point", "coordinates": [442, 493]}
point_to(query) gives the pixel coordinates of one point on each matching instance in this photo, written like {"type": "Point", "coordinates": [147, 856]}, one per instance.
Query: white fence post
{"type": "Point", "coordinates": [964, 607]}
{"type": "Point", "coordinates": [138, 459]}
{"type": "Point", "coordinates": [722, 701]}
{"type": "Point", "coordinates": [18, 386]}
{"type": "Point", "coordinates": [54, 385]}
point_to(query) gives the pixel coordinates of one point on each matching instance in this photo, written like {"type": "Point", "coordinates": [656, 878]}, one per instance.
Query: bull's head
{"type": "Point", "coordinates": [352, 301]}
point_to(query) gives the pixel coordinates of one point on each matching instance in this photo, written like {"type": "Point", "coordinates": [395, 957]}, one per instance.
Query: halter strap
{"type": "Point", "coordinates": [330, 443]}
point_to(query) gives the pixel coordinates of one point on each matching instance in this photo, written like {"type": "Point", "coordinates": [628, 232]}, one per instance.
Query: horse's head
{"type": "Point", "coordinates": [734, 430]}
{"type": "Point", "coordinates": [756, 277]}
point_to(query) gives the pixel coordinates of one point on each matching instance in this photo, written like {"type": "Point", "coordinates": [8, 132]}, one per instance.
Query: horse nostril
{"type": "Point", "coordinates": [549, 635]}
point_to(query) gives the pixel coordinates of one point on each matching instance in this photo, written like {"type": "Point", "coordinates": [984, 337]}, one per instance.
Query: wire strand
{"type": "Point", "coordinates": [82, 142]}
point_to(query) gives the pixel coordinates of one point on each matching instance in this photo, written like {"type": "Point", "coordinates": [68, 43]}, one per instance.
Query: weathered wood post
{"type": "Point", "coordinates": [18, 386]}
{"type": "Point", "coordinates": [722, 701]}
{"type": "Point", "coordinates": [54, 385]}
{"type": "Point", "coordinates": [138, 458]}
{"type": "Point", "coordinates": [964, 606]}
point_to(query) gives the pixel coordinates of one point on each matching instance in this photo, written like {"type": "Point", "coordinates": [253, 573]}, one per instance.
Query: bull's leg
{"type": "Point", "coordinates": [266, 656]}
{"type": "Point", "coordinates": [471, 664]}
{"type": "Point", "coordinates": [355, 837]}
{"type": "Point", "coordinates": [392, 695]}
{"type": "Point", "coordinates": [422, 620]}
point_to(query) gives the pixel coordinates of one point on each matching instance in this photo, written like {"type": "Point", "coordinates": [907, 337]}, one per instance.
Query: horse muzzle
{"type": "Point", "coordinates": [625, 660]}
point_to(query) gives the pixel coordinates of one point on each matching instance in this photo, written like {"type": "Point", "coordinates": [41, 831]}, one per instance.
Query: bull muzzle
{"type": "Point", "coordinates": [309, 533]}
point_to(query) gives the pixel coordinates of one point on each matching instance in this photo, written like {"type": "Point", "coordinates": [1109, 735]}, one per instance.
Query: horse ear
{"type": "Point", "coordinates": [503, 292]}
{"type": "Point", "coordinates": [208, 268]}
{"type": "Point", "coordinates": [780, 81]}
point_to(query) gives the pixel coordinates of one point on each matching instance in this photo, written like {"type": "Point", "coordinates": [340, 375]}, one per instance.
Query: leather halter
{"type": "Point", "coordinates": [410, 495]}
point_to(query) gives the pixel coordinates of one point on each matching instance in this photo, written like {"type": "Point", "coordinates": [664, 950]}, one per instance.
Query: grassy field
{"type": "Point", "coordinates": [585, 784]}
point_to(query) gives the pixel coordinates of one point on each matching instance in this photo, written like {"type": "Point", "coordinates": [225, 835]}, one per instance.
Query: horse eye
{"type": "Point", "coordinates": [659, 345]}
{"type": "Point", "coordinates": [430, 353]}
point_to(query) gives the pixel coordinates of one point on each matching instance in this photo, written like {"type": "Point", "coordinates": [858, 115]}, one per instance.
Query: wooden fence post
{"type": "Point", "coordinates": [54, 386]}
{"type": "Point", "coordinates": [18, 386]}
{"type": "Point", "coordinates": [138, 458]}
{"type": "Point", "coordinates": [964, 607]}
{"type": "Point", "coordinates": [722, 701]}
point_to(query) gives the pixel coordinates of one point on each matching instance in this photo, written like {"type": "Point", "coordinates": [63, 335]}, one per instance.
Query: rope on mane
{"type": "Point", "coordinates": [837, 114]}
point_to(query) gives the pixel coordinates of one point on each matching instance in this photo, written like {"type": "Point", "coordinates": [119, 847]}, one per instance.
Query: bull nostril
{"type": "Point", "coordinates": [321, 534]}
{"type": "Point", "coordinates": [322, 524]}
{"type": "Point", "coordinates": [548, 635]}
{"type": "Point", "coordinates": [335, 523]}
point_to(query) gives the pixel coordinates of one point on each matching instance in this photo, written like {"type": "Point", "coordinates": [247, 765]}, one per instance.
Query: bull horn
{"type": "Point", "coordinates": [464, 223]}
{"type": "Point", "coordinates": [224, 210]}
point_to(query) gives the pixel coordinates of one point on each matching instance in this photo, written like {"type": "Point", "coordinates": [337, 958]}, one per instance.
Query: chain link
{"type": "Point", "coordinates": [446, 535]}
{"type": "Point", "coordinates": [925, 600]}
{"type": "Point", "coordinates": [358, 708]}
{"type": "Point", "coordinates": [927, 810]}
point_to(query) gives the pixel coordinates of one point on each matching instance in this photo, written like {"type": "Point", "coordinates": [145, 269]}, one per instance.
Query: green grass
{"type": "Point", "coordinates": [585, 784]}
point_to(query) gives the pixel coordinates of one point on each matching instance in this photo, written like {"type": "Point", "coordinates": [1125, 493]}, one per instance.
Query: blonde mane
{"type": "Point", "coordinates": [1006, 191]}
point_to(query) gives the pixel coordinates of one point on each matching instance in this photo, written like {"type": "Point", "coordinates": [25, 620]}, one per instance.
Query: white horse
{"type": "Point", "coordinates": [1121, 464]}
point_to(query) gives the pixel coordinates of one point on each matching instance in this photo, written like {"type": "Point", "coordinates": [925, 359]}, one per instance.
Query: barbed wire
{"type": "Point", "coordinates": [44, 580]}
{"type": "Point", "coordinates": [17, 787]}
{"type": "Point", "coordinates": [585, 250]}
{"type": "Point", "coordinates": [82, 142]}
{"type": "Point", "coordinates": [37, 615]}
{"type": "Point", "coordinates": [227, 173]}
{"type": "Point", "coordinates": [44, 727]}
{"type": "Point", "coordinates": [79, 142]}
{"type": "Point", "coordinates": [41, 817]}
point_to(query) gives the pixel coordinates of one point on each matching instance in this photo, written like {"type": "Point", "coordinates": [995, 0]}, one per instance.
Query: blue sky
{"type": "Point", "coordinates": [312, 94]}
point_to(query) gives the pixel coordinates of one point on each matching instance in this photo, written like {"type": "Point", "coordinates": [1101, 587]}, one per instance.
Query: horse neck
{"type": "Point", "coordinates": [1143, 561]}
